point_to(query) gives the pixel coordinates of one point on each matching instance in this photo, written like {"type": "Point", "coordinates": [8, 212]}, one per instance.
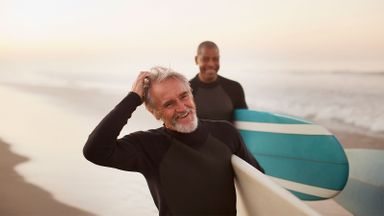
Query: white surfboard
{"type": "Point", "coordinates": [258, 195]}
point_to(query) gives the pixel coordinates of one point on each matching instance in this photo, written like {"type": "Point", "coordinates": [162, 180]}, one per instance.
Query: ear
{"type": "Point", "coordinates": [157, 115]}
{"type": "Point", "coordinates": [196, 59]}
{"type": "Point", "coordinates": [154, 113]}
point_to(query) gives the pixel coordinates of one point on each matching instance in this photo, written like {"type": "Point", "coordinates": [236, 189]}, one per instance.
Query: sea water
{"type": "Point", "coordinates": [350, 97]}
{"type": "Point", "coordinates": [347, 97]}
{"type": "Point", "coordinates": [52, 128]}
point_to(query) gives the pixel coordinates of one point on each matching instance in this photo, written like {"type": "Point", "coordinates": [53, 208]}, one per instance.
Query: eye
{"type": "Point", "coordinates": [205, 59]}
{"type": "Point", "coordinates": [184, 96]}
{"type": "Point", "coordinates": [168, 104]}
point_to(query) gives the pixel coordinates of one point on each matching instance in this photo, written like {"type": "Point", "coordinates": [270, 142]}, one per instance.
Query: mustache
{"type": "Point", "coordinates": [180, 115]}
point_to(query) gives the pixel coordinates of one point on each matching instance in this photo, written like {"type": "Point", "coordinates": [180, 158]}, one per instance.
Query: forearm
{"type": "Point", "coordinates": [102, 141]}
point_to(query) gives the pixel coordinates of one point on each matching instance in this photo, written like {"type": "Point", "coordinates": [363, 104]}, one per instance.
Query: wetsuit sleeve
{"type": "Point", "coordinates": [103, 147]}
{"type": "Point", "coordinates": [236, 93]}
{"type": "Point", "coordinates": [240, 102]}
{"type": "Point", "coordinates": [194, 83]}
{"type": "Point", "coordinates": [243, 153]}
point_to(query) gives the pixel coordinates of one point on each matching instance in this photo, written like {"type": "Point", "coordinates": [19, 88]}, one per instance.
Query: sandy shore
{"type": "Point", "coordinates": [19, 197]}
{"type": "Point", "coordinates": [359, 140]}
{"type": "Point", "coordinates": [353, 137]}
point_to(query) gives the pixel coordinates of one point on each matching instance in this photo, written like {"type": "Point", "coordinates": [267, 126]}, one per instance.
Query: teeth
{"type": "Point", "coordinates": [183, 115]}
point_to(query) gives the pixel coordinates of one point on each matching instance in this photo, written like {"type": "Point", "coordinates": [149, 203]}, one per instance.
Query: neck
{"type": "Point", "coordinates": [196, 137]}
{"type": "Point", "coordinates": [207, 80]}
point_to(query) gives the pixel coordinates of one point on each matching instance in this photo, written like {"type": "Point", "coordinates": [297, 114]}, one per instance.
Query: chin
{"type": "Point", "coordinates": [188, 127]}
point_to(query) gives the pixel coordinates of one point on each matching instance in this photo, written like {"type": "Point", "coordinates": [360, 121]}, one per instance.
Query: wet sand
{"type": "Point", "coordinates": [19, 197]}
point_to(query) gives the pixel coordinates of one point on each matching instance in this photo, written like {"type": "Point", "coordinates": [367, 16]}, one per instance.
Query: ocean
{"type": "Point", "coordinates": [355, 98]}
{"type": "Point", "coordinates": [48, 116]}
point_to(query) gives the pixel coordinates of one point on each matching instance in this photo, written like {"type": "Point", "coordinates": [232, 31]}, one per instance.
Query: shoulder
{"type": "Point", "coordinates": [229, 83]}
{"type": "Point", "coordinates": [194, 81]}
{"type": "Point", "coordinates": [147, 137]}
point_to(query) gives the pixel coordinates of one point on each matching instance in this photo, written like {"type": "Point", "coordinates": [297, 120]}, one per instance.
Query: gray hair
{"type": "Point", "coordinates": [159, 74]}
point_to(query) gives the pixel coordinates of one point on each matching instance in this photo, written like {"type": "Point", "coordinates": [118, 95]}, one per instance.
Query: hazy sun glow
{"type": "Point", "coordinates": [292, 34]}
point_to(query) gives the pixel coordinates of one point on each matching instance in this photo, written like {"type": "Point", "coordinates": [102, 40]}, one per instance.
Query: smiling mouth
{"type": "Point", "coordinates": [210, 71]}
{"type": "Point", "coordinates": [183, 115]}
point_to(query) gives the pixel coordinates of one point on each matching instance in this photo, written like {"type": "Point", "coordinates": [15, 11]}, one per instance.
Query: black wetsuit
{"type": "Point", "coordinates": [187, 174]}
{"type": "Point", "coordinates": [217, 100]}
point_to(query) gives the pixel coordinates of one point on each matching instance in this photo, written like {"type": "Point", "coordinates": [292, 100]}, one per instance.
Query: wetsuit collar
{"type": "Point", "coordinates": [196, 137]}
{"type": "Point", "coordinates": [208, 85]}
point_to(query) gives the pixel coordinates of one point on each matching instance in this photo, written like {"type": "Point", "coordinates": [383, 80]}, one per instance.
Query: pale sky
{"type": "Point", "coordinates": [289, 34]}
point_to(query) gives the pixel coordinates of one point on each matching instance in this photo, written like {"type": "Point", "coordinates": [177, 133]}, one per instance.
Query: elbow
{"type": "Point", "coordinates": [92, 156]}
{"type": "Point", "coordinates": [96, 153]}
{"type": "Point", "coordinates": [87, 153]}
{"type": "Point", "coordinates": [90, 151]}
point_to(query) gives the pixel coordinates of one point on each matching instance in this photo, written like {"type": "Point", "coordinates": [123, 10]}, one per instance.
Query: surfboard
{"type": "Point", "coordinates": [259, 195]}
{"type": "Point", "coordinates": [303, 157]}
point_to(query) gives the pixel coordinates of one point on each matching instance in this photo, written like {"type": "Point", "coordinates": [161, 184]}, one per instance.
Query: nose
{"type": "Point", "coordinates": [211, 62]}
{"type": "Point", "coordinates": [180, 106]}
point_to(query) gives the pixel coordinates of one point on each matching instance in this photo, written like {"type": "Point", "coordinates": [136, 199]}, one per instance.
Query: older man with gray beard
{"type": "Point", "coordinates": [186, 162]}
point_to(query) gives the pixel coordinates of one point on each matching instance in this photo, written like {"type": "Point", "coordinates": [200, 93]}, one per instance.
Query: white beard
{"type": "Point", "coordinates": [187, 128]}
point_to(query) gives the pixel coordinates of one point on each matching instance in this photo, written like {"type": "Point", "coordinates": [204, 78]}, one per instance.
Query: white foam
{"type": "Point", "coordinates": [351, 99]}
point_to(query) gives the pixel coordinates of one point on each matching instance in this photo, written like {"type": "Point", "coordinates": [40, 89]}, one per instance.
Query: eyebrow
{"type": "Point", "coordinates": [209, 57]}
{"type": "Point", "coordinates": [172, 100]}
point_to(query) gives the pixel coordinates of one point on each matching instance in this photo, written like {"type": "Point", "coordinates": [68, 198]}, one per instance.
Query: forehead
{"type": "Point", "coordinates": [168, 89]}
{"type": "Point", "coordinates": [208, 51]}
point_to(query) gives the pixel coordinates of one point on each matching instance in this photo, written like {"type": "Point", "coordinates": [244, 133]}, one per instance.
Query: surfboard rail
{"type": "Point", "coordinates": [259, 195]}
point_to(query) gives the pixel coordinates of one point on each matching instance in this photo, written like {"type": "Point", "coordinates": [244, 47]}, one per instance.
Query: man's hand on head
{"type": "Point", "coordinates": [141, 84]}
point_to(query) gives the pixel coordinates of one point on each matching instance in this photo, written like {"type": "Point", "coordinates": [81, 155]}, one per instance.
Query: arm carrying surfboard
{"type": "Point", "coordinates": [303, 157]}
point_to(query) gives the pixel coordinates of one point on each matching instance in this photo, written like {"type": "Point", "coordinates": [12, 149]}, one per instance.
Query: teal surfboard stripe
{"type": "Point", "coordinates": [266, 117]}
{"type": "Point", "coordinates": [304, 157]}
{"type": "Point", "coordinates": [310, 173]}
{"type": "Point", "coordinates": [276, 144]}
{"type": "Point", "coordinates": [304, 196]}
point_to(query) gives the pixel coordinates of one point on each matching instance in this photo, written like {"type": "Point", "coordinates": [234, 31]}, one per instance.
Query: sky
{"type": "Point", "coordinates": [252, 35]}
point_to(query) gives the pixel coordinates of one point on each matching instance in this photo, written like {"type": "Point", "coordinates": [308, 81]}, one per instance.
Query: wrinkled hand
{"type": "Point", "coordinates": [138, 85]}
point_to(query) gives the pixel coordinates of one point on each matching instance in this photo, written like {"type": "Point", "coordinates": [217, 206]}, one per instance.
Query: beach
{"type": "Point", "coordinates": [19, 197]}
{"type": "Point", "coordinates": [27, 191]}
{"type": "Point", "coordinates": [49, 129]}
